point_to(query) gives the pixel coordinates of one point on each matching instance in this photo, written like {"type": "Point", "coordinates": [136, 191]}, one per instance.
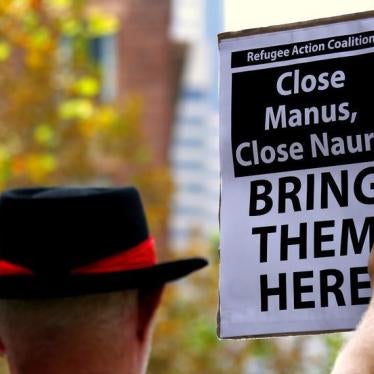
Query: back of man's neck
{"type": "Point", "coordinates": [76, 360]}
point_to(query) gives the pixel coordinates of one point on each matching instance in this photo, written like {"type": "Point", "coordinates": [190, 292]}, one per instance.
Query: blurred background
{"type": "Point", "coordinates": [120, 92]}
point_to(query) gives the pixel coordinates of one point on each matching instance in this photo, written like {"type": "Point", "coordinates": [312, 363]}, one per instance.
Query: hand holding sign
{"type": "Point", "coordinates": [357, 357]}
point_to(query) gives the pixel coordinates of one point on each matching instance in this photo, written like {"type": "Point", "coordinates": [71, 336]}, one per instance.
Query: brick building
{"type": "Point", "coordinates": [141, 60]}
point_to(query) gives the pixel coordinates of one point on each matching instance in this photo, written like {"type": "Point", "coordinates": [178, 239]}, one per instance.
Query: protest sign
{"type": "Point", "coordinates": [297, 185]}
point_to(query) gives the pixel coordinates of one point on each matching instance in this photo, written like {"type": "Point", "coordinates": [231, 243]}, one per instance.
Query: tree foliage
{"type": "Point", "coordinates": [54, 126]}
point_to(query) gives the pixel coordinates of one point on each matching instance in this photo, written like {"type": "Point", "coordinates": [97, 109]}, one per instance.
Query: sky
{"type": "Point", "coordinates": [244, 14]}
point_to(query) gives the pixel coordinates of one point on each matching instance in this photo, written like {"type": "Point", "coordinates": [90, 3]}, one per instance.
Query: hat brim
{"type": "Point", "coordinates": [27, 287]}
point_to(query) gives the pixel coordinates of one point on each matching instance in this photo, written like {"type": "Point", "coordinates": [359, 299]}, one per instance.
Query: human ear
{"type": "Point", "coordinates": [148, 301]}
{"type": "Point", "coordinates": [2, 347]}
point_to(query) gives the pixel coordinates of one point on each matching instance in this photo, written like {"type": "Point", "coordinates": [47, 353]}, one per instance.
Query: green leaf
{"type": "Point", "coordinates": [30, 19]}
{"type": "Point", "coordinates": [4, 165]}
{"type": "Point", "coordinates": [44, 134]}
{"type": "Point", "coordinates": [71, 27]}
{"type": "Point", "coordinates": [48, 162]}
{"type": "Point", "coordinates": [40, 37]}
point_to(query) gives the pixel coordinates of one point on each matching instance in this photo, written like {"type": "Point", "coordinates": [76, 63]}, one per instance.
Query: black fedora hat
{"type": "Point", "coordinates": [65, 241]}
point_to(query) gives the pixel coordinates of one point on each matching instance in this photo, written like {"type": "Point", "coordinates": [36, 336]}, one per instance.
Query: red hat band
{"type": "Point", "coordinates": [140, 256]}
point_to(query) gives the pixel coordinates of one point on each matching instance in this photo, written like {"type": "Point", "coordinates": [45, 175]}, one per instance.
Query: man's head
{"type": "Point", "coordinates": [79, 282]}
{"type": "Point", "coordinates": [96, 334]}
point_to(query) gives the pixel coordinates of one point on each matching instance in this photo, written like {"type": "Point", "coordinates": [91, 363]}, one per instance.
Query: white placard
{"type": "Point", "coordinates": [297, 187]}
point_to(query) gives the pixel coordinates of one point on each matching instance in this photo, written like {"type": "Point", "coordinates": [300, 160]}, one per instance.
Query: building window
{"type": "Point", "coordinates": [104, 51]}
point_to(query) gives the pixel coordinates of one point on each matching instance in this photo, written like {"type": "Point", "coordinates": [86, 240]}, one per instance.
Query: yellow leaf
{"type": "Point", "coordinates": [87, 86]}
{"type": "Point", "coordinates": [5, 51]}
{"type": "Point", "coordinates": [48, 162]}
{"type": "Point", "coordinates": [87, 129]}
{"type": "Point", "coordinates": [34, 59]}
{"type": "Point", "coordinates": [38, 166]}
{"type": "Point", "coordinates": [100, 24]}
{"type": "Point", "coordinates": [18, 6]}
{"type": "Point", "coordinates": [76, 109]}
{"type": "Point", "coordinates": [60, 4]}
{"type": "Point", "coordinates": [4, 154]}
{"type": "Point", "coordinates": [105, 117]}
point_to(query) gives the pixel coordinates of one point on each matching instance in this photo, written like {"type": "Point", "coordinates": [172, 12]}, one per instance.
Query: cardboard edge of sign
{"type": "Point", "coordinates": [283, 334]}
{"type": "Point", "coordinates": [295, 25]}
